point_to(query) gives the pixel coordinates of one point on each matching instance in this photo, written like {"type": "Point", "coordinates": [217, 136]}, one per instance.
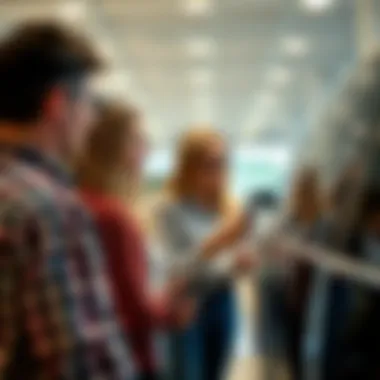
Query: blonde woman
{"type": "Point", "coordinates": [197, 202]}
{"type": "Point", "coordinates": [108, 174]}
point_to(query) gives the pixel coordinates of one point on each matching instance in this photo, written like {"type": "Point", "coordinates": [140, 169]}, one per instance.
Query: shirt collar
{"type": "Point", "coordinates": [39, 160]}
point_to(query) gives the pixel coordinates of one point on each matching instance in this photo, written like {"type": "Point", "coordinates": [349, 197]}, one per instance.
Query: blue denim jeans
{"type": "Point", "coordinates": [202, 351]}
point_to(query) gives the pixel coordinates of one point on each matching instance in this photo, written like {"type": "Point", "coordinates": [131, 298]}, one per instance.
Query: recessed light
{"type": "Point", "coordinates": [200, 47]}
{"type": "Point", "coordinates": [72, 11]}
{"type": "Point", "coordinates": [198, 7]}
{"type": "Point", "coordinates": [295, 45]}
{"type": "Point", "coordinates": [318, 5]}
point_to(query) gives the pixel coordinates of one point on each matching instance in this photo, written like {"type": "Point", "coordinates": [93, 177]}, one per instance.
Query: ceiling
{"type": "Point", "coordinates": [257, 69]}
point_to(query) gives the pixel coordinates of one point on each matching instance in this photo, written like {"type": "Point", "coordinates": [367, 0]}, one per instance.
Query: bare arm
{"type": "Point", "coordinates": [225, 236]}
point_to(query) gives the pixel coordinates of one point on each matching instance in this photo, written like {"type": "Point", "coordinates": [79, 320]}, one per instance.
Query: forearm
{"type": "Point", "coordinates": [225, 236]}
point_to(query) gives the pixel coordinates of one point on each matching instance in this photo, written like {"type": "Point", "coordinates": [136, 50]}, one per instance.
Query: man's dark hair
{"type": "Point", "coordinates": [34, 58]}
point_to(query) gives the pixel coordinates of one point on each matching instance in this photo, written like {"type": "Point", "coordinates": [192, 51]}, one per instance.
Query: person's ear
{"type": "Point", "coordinates": [55, 104]}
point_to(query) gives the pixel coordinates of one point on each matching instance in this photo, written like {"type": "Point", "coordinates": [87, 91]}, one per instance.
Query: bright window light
{"type": "Point", "coordinates": [296, 46]}
{"type": "Point", "coordinates": [198, 7]}
{"type": "Point", "coordinates": [200, 47]}
{"type": "Point", "coordinates": [318, 5]}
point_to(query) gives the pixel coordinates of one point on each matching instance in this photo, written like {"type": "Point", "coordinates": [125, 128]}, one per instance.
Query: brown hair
{"type": "Point", "coordinates": [34, 58]}
{"type": "Point", "coordinates": [306, 203]}
{"type": "Point", "coordinates": [192, 150]}
{"type": "Point", "coordinates": [98, 167]}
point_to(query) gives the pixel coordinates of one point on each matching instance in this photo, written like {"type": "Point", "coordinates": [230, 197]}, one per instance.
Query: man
{"type": "Point", "coordinates": [57, 321]}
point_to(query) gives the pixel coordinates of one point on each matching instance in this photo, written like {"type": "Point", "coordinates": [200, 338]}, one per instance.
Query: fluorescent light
{"type": "Point", "coordinates": [317, 5]}
{"type": "Point", "coordinates": [201, 77]}
{"type": "Point", "coordinates": [295, 45]}
{"type": "Point", "coordinates": [72, 11]}
{"type": "Point", "coordinates": [198, 7]}
{"type": "Point", "coordinates": [279, 75]}
{"type": "Point", "coordinates": [200, 47]}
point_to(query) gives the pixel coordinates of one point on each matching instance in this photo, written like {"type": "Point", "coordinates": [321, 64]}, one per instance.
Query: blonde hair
{"type": "Point", "coordinates": [99, 166]}
{"type": "Point", "coordinates": [305, 200]}
{"type": "Point", "coordinates": [192, 150]}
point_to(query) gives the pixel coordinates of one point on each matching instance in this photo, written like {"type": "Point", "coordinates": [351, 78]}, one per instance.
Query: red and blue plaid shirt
{"type": "Point", "coordinates": [56, 317]}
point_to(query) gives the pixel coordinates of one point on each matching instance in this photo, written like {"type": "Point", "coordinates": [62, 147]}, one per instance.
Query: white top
{"type": "Point", "coordinates": [182, 228]}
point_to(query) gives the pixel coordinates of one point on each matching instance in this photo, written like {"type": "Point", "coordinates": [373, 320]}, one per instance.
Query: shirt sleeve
{"type": "Point", "coordinates": [27, 303]}
{"type": "Point", "coordinates": [182, 254]}
{"type": "Point", "coordinates": [128, 267]}
{"type": "Point", "coordinates": [42, 296]}
{"type": "Point", "coordinates": [10, 279]}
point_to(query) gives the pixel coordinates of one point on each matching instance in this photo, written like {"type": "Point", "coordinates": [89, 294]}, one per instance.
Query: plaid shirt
{"type": "Point", "coordinates": [57, 321]}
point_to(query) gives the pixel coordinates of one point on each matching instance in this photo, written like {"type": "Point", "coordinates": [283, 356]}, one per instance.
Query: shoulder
{"type": "Point", "coordinates": [233, 208]}
{"type": "Point", "coordinates": [26, 192]}
{"type": "Point", "coordinates": [34, 190]}
{"type": "Point", "coordinates": [110, 215]}
{"type": "Point", "coordinates": [166, 207]}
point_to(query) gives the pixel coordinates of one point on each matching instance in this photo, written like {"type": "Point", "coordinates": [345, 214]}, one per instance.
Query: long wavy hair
{"type": "Point", "coordinates": [192, 151]}
{"type": "Point", "coordinates": [305, 200]}
{"type": "Point", "coordinates": [100, 165]}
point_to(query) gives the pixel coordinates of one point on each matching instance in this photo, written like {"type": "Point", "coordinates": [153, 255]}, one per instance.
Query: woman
{"type": "Point", "coordinates": [197, 203]}
{"type": "Point", "coordinates": [305, 219]}
{"type": "Point", "coordinates": [285, 290]}
{"type": "Point", "coordinates": [330, 299]}
{"type": "Point", "coordinates": [108, 173]}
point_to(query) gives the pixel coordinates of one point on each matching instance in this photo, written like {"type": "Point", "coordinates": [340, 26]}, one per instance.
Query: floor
{"type": "Point", "coordinates": [247, 363]}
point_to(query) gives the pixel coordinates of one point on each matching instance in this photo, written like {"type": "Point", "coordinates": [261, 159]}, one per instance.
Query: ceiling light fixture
{"type": "Point", "coordinates": [198, 7]}
{"type": "Point", "coordinates": [200, 47]}
{"type": "Point", "coordinates": [72, 11]}
{"type": "Point", "coordinates": [296, 46]}
{"type": "Point", "coordinates": [317, 5]}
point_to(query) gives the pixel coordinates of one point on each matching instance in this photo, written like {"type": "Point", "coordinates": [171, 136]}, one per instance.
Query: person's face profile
{"type": "Point", "coordinates": [81, 114]}
{"type": "Point", "coordinates": [212, 171]}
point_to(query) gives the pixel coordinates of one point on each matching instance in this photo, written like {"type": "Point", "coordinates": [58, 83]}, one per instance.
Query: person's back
{"type": "Point", "coordinates": [57, 321]}
{"type": "Point", "coordinates": [43, 272]}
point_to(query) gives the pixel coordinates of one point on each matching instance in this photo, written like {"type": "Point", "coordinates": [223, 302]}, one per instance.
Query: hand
{"type": "Point", "coordinates": [244, 262]}
{"type": "Point", "coordinates": [176, 288]}
{"type": "Point", "coordinates": [185, 312]}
